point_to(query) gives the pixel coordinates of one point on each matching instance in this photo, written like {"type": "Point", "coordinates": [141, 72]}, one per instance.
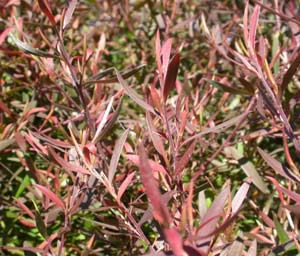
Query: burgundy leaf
{"type": "Point", "coordinates": [183, 161]}
{"type": "Point", "coordinates": [278, 167]}
{"type": "Point", "coordinates": [160, 210]}
{"type": "Point", "coordinates": [44, 6]}
{"type": "Point", "coordinates": [50, 195]}
{"type": "Point", "coordinates": [170, 79]}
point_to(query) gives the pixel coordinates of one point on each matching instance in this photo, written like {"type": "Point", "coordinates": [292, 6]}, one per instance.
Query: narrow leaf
{"type": "Point", "coordinates": [124, 73]}
{"type": "Point", "coordinates": [71, 5]}
{"type": "Point", "coordinates": [116, 155]}
{"type": "Point", "coordinates": [133, 95]}
{"type": "Point", "coordinates": [40, 224]}
{"type": "Point", "coordinates": [28, 49]}
{"type": "Point", "coordinates": [240, 197]}
{"type": "Point", "coordinates": [211, 217]}
{"type": "Point", "coordinates": [50, 195]}
{"type": "Point", "coordinates": [217, 128]}
{"type": "Point", "coordinates": [6, 143]}
{"type": "Point", "coordinates": [283, 236]}
{"type": "Point", "coordinates": [183, 161]}
{"type": "Point", "coordinates": [249, 169]}
{"type": "Point", "coordinates": [175, 241]}
{"type": "Point", "coordinates": [278, 167]}
{"type": "Point", "coordinates": [160, 212]}
{"type": "Point", "coordinates": [124, 185]}
{"type": "Point", "coordinates": [66, 165]}
{"type": "Point", "coordinates": [170, 79]}
{"type": "Point", "coordinates": [157, 142]}
{"type": "Point", "coordinates": [287, 78]}
{"type": "Point", "coordinates": [166, 52]}
{"type": "Point", "coordinates": [227, 88]}
{"type": "Point", "coordinates": [253, 26]}
{"type": "Point", "coordinates": [44, 6]}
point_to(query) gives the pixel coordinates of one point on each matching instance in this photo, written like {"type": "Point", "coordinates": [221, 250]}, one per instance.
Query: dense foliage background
{"type": "Point", "coordinates": [149, 127]}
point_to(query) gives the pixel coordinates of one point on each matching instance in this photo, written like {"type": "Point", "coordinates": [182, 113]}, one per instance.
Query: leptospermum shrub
{"type": "Point", "coordinates": [149, 128]}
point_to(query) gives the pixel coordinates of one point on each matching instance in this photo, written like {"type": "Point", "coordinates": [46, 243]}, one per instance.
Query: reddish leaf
{"type": "Point", "coordinates": [212, 215]}
{"type": "Point", "coordinates": [124, 186]}
{"type": "Point", "coordinates": [166, 52]}
{"type": "Point", "coordinates": [278, 167]}
{"type": "Point", "coordinates": [217, 128]}
{"type": "Point", "coordinates": [4, 34]}
{"type": "Point", "coordinates": [133, 95]}
{"type": "Point", "coordinates": [154, 165]}
{"type": "Point", "coordinates": [5, 108]}
{"type": "Point", "coordinates": [70, 10]}
{"type": "Point", "coordinates": [157, 142]}
{"type": "Point", "coordinates": [50, 195]}
{"type": "Point", "coordinates": [158, 56]}
{"type": "Point", "coordinates": [253, 26]}
{"type": "Point", "coordinates": [160, 210]}
{"type": "Point", "coordinates": [170, 80]}
{"type": "Point", "coordinates": [20, 141]}
{"type": "Point", "coordinates": [175, 241]}
{"type": "Point", "coordinates": [25, 208]}
{"type": "Point", "coordinates": [44, 6]}
{"type": "Point", "coordinates": [65, 164]}
{"type": "Point", "coordinates": [245, 23]}
{"type": "Point", "coordinates": [183, 161]}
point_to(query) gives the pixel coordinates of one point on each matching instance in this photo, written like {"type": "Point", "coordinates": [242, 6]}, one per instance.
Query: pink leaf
{"type": "Point", "coordinates": [50, 195]}
{"type": "Point", "coordinates": [246, 36]}
{"type": "Point", "coordinates": [175, 241]}
{"type": "Point", "coordinates": [4, 34]}
{"type": "Point", "coordinates": [70, 10]}
{"type": "Point", "coordinates": [157, 142]}
{"type": "Point", "coordinates": [166, 52]}
{"type": "Point", "coordinates": [154, 165]}
{"type": "Point", "coordinates": [253, 26]}
{"type": "Point", "coordinates": [124, 186]}
{"type": "Point", "coordinates": [65, 164]}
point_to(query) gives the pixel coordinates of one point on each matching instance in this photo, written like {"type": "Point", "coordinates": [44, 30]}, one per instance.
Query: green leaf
{"type": "Point", "coordinates": [23, 185]}
{"type": "Point", "coordinates": [282, 235]}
